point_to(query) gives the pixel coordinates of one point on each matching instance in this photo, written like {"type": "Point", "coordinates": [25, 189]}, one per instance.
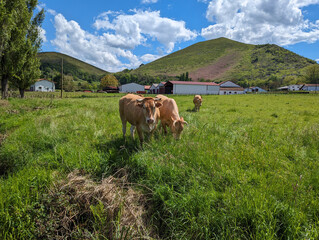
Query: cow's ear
{"type": "Point", "coordinates": [158, 104]}
{"type": "Point", "coordinates": [140, 102]}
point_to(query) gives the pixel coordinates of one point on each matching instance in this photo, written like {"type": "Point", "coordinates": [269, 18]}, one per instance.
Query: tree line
{"type": "Point", "coordinates": [19, 44]}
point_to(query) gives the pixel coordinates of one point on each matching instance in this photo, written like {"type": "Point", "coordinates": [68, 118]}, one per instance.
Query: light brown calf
{"type": "Point", "coordinates": [141, 112]}
{"type": "Point", "coordinates": [198, 102]}
{"type": "Point", "coordinates": [170, 117]}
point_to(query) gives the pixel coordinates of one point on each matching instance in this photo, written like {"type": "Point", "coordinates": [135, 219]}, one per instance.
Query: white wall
{"type": "Point", "coordinates": [230, 92]}
{"type": "Point", "coordinates": [131, 87]}
{"type": "Point", "coordinates": [195, 89]}
{"type": "Point", "coordinates": [294, 87]}
{"type": "Point", "coordinates": [43, 86]}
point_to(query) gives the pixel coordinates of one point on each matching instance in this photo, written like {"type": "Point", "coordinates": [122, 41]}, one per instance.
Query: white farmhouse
{"type": "Point", "coordinates": [43, 85]}
{"type": "Point", "coordinates": [230, 88]}
{"type": "Point", "coordinates": [154, 88]}
{"type": "Point", "coordinates": [132, 88]}
{"type": "Point", "coordinates": [295, 87]}
{"type": "Point", "coordinates": [187, 87]}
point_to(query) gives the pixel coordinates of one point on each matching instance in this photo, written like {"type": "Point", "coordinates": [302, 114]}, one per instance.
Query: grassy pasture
{"type": "Point", "coordinates": [246, 166]}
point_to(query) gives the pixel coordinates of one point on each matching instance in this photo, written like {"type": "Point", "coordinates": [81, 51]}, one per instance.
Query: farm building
{"type": "Point", "coordinates": [147, 88]}
{"type": "Point", "coordinates": [229, 88]}
{"type": "Point", "coordinates": [43, 85]}
{"type": "Point", "coordinates": [154, 88]}
{"type": "Point", "coordinates": [185, 87]}
{"type": "Point", "coordinates": [255, 90]}
{"type": "Point", "coordinates": [158, 88]}
{"type": "Point", "coordinates": [295, 87]}
{"type": "Point", "coordinates": [131, 87]}
{"type": "Point", "coordinates": [310, 87]}
{"type": "Point", "coordinates": [110, 89]}
{"type": "Point", "coordinates": [161, 87]}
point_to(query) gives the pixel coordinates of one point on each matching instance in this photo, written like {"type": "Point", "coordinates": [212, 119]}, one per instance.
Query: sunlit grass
{"type": "Point", "coordinates": [246, 167]}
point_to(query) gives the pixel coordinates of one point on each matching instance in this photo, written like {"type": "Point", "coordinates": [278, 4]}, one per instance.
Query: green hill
{"type": "Point", "coordinates": [81, 71]}
{"type": "Point", "coordinates": [224, 59]}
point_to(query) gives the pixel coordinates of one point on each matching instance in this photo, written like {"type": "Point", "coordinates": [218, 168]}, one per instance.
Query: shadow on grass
{"type": "Point", "coordinates": [119, 155]}
{"type": "Point", "coordinates": [191, 110]}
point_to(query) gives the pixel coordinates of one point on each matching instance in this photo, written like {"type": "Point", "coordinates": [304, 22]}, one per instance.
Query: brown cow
{"type": "Point", "coordinates": [140, 112]}
{"type": "Point", "coordinates": [170, 117]}
{"type": "Point", "coordinates": [198, 102]}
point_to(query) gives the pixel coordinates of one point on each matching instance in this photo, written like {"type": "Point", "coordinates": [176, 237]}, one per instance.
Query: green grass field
{"type": "Point", "coordinates": [246, 167]}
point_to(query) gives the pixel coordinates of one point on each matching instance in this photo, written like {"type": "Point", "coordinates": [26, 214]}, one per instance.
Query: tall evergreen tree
{"type": "Point", "coordinates": [29, 64]}
{"type": "Point", "coordinates": [9, 13]}
{"type": "Point", "coordinates": [20, 45]}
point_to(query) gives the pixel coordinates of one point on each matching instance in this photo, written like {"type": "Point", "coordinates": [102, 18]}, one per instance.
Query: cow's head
{"type": "Point", "coordinates": [178, 127]}
{"type": "Point", "coordinates": [149, 106]}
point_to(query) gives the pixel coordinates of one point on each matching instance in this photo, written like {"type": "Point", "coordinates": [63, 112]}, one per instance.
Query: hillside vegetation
{"type": "Point", "coordinates": [223, 59]}
{"type": "Point", "coordinates": [246, 167]}
{"type": "Point", "coordinates": [51, 67]}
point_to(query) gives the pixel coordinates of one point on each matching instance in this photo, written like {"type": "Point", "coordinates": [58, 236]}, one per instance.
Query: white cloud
{"type": "Point", "coordinates": [261, 21]}
{"type": "Point", "coordinates": [317, 60]}
{"type": "Point", "coordinates": [149, 58]}
{"type": "Point", "coordinates": [111, 47]}
{"type": "Point", "coordinates": [42, 33]}
{"type": "Point", "coordinates": [52, 12]}
{"type": "Point", "coordinates": [136, 28]}
{"type": "Point", "coordinates": [149, 1]}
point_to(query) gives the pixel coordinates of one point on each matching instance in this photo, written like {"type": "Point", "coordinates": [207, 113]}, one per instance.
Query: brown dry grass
{"type": "Point", "coordinates": [217, 69]}
{"type": "Point", "coordinates": [110, 209]}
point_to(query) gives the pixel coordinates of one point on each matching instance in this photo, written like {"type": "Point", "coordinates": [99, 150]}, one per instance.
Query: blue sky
{"type": "Point", "coordinates": [114, 35]}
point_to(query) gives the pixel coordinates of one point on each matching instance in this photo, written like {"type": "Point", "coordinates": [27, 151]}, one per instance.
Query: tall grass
{"type": "Point", "coordinates": [245, 168]}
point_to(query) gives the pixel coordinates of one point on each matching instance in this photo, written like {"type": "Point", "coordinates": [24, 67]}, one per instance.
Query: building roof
{"type": "Point", "coordinates": [232, 89]}
{"type": "Point", "coordinates": [193, 83]}
{"type": "Point", "coordinates": [147, 87]}
{"type": "Point", "coordinates": [43, 79]}
{"type": "Point", "coordinates": [311, 85]}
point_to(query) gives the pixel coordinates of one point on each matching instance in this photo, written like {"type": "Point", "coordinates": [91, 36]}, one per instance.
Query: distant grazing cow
{"type": "Point", "coordinates": [198, 102]}
{"type": "Point", "coordinates": [170, 117]}
{"type": "Point", "coordinates": [140, 112]}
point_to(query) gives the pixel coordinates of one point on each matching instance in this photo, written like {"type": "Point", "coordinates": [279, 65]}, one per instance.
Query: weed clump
{"type": "Point", "coordinates": [81, 208]}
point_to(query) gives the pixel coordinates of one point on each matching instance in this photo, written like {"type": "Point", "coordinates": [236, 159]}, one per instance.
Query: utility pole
{"type": "Point", "coordinates": [62, 79]}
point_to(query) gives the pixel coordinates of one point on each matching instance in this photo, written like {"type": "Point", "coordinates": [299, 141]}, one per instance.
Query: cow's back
{"type": "Point", "coordinates": [169, 108]}
{"type": "Point", "coordinates": [129, 110]}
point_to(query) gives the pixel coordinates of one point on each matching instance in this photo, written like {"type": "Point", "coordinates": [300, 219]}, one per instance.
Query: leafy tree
{"type": "Point", "coordinates": [109, 80]}
{"type": "Point", "coordinates": [312, 74]}
{"type": "Point", "coordinates": [68, 83]}
{"type": "Point", "coordinates": [27, 56]}
{"type": "Point", "coordinates": [18, 60]}
{"type": "Point", "coordinates": [10, 15]}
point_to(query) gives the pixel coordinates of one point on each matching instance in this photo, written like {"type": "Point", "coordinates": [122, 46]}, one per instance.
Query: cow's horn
{"type": "Point", "coordinates": [157, 99]}
{"type": "Point", "coordinates": [139, 100]}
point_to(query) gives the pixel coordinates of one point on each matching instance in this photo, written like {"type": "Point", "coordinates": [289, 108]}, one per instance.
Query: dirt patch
{"type": "Point", "coordinates": [4, 103]}
{"type": "Point", "coordinates": [83, 209]}
{"type": "Point", "coordinates": [217, 69]}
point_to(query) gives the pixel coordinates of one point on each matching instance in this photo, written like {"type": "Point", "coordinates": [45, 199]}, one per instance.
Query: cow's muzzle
{"type": "Point", "coordinates": [150, 121]}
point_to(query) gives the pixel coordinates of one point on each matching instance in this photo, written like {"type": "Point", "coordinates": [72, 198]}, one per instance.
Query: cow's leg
{"type": "Point", "coordinates": [164, 128]}
{"type": "Point", "coordinates": [132, 131]}
{"type": "Point", "coordinates": [124, 128]}
{"type": "Point", "coordinates": [140, 134]}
